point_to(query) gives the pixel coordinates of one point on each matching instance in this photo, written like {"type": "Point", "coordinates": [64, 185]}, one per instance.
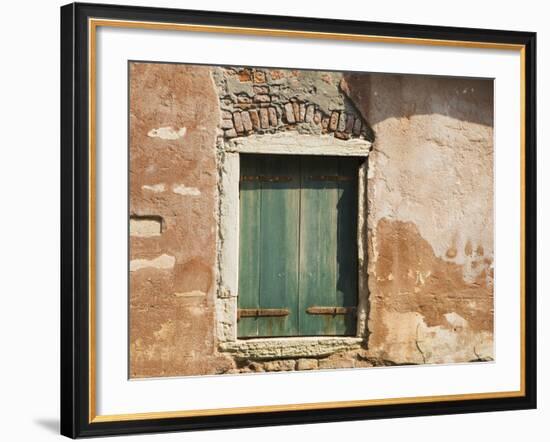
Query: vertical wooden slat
{"type": "Point", "coordinates": [298, 243]}
{"type": "Point", "coordinates": [346, 254]}
{"type": "Point", "coordinates": [317, 244]}
{"type": "Point", "coordinates": [279, 245]}
{"type": "Point", "coordinates": [249, 245]}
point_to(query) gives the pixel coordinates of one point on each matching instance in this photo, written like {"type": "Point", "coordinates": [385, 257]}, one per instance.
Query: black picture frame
{"type": "Point", "coordinates": [75, 219]}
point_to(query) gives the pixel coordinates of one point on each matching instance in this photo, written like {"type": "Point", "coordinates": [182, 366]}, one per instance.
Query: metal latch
{"type": "Point", "coordinates": [333, 311]}
{"type": "Point", "coordinates": [261, 312]}
{"type": "Point", "coordinates": [329, 178]}
{"type": "Point", "coordinates": [267, 178]}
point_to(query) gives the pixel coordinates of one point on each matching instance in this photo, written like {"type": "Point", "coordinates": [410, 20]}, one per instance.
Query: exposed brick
{"type": "Point", "coordinates": [342, 135]}
{"type": "Point", "coordinates": [276, 75]}
{"type": "Point", "coordinates": [238, 122]}
{"type": "Point", "coordinates": [261, 89]}
{"type": "Point", "coordinates": [296, 110]}
{"type": "Point", "coordinates": [333, 125]}
{"type": "Point", "coordinates": [317, 117]}
{"type": "Point", "coordinates": [264, 118]}
{"type": "Point", "coordinates": [244, 99]}
{"type": "Point", "coordinates": [272, 116]}
{"type": "Point", "coordinates": [227, 124]}
{"type": "Point", "coordinates": [231, 133]}
{"type": "Point", "coordinates": [307, 364]}
{"type": "Point", "coordinates": [245, 75]}
{"type": "Point", "coordinates": [281, 365]}
{"type": "Point", "coordinates": [357, 126]}
{"type": "Point", "coordinates": [342, 122]}
{"type": "Point", "coordinates": [259, 77]}
{"type": "Point", "coordinates": [349, 123]}
{"type": "Point", "coordinates": [302, 112]}
{"type": "Point", "coordinates": [254, 118]}
{"type": "Point", "coordinates": [310, 112]}
{"type": "Point", "coordinates": [289, 113]}
{"type": "Point", "coordinates": [247, 124]}
{"type": "Point", "coordinates": [262, 98]}
{"type": "Point", "coordinates": [336, 363]}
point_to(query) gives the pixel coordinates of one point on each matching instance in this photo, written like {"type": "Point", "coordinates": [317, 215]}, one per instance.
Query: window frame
{"type": "Point", "coordinates": [288, 143]}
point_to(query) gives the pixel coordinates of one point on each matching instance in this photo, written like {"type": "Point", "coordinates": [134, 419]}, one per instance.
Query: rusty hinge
{"type": "Point", "coordinates": [261, 312]}
{"type": "Point", "coordinates": [329, 178]}
{"type": "Point", "coordinates": [330, 310]}
{"type": "Point", "coordinates": [268, 178]}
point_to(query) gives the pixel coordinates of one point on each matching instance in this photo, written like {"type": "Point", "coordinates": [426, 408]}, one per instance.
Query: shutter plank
{"type": "Point", "coordinates": [249, 246]}
{"type": "Point", "coordinates": [279, 244]}
{"type": "Point", "coordinates": [317, 244]}
{"type": "Point", "coordinates": [346, 255]}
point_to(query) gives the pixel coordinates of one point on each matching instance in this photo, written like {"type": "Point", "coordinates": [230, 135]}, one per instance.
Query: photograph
{"type": "Point", "coordinates": [280, 220]}
{"type": "Point", "coordinates": [290, 219]}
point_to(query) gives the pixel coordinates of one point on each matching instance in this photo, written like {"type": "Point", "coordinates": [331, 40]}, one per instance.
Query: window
{"type": "Point", "coordinates": [297, 246]}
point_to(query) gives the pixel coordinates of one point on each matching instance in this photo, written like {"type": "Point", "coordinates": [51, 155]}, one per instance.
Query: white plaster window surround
{"type": "Point", "coordinates": [283, 143]}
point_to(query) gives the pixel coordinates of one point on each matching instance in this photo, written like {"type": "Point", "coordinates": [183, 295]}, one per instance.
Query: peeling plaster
{"type": "Point", "coordinates": [182, 189]}
{"type": "Point", "coordinates": [167, 133]}
{"type": "Point", "coordinates": [161, 262]}
{"type": "Point", "coordinates": [156, 188]}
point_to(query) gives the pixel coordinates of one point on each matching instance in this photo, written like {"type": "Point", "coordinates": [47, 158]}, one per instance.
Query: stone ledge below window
{"type": "Point", "coordinates": [272, 348]}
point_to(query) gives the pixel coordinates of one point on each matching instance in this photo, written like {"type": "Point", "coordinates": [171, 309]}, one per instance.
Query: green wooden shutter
{"type": "Point", "coordinates": [298, 251]}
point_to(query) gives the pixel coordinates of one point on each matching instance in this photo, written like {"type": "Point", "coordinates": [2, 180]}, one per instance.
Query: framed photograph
{"type": "Point", "coordinates": [275, 220]}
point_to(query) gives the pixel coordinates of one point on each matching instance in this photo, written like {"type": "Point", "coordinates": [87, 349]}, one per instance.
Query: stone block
{"type": "Point", "coordinates": [227, 124]}
{"type": "Point", "coordinates": [146, 226]}
{"type": "Point", "coordinates": [244, 99]}
{"type": "Point", "coordinates": [342, 122]}
{"type": "Point", "coordinates": [302, 112]}
{"type": "Point", "coordinates": [289, 113]}
{"type": "Point", "coordinates": [254, 118]}
{"type": "Point", "coordinates": [296, 111]}
{"type": "Point", "coordinates": [259, 77]}
{"type": "Point", "coordinates": [245, 75]}
{"type": "Point", "coordinates": [334, 118]}
{"type": "Point", "coordinates": [262, 98]}
{"type": "Point", "coordinates": [307, 364]}
{"type": "Point", "coordinates": [231, 133]}
{"type": "Point", "coordinates": [310, 112]}
{"type": "Point", "coordinates": [336, 363]}
{"type": "Point", "coordinates": [280, 365]}
{"type": "Point", "coordinates": [238, 121]}
{"type": "Point", "coordinates": [264, 118]}
{"type": "Point", "coordinates": [247, 123]}
{"type": "Point", "coordinates": [317, 117]}
{"type": "Point", "coordinates": [272, 116]}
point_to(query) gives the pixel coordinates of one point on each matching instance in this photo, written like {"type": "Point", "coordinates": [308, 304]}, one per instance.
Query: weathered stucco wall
{"type": "Point", "coordinates": [430, 216]}
{"type": "Point", "coordinates": [429, 210]}
{"type": "Point", "coordinates": [174, 115]}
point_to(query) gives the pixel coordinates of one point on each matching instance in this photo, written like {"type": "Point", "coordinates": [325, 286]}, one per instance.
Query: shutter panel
{"type": "Point", "coordinates": [298, 251]}
{"type": "Point", "coordinates": [249, 246]}
{"type": "Point", "coordinates": [328, 250]}
{"type": "Point", "coordinates": [273, 286]}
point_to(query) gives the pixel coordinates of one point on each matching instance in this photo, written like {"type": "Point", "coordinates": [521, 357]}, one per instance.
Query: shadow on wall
{"type": "Point", "coordinates": [382, 96]}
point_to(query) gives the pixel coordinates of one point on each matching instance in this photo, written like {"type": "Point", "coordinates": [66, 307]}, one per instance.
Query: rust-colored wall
{"type": "Point", "coordinates": [429, 222]}
{"type": "Point", "coordinates": [430, 216]}
{"type": "Point", "coordinates": [174, 114]}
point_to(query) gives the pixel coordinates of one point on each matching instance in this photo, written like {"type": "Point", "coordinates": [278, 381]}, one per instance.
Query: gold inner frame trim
{"type": "Point", "coordinates": [93, 24]}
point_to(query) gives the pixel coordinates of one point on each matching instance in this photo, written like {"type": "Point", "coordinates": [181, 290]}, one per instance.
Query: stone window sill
{"type": "Point", "coordinates": [272, 348]}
